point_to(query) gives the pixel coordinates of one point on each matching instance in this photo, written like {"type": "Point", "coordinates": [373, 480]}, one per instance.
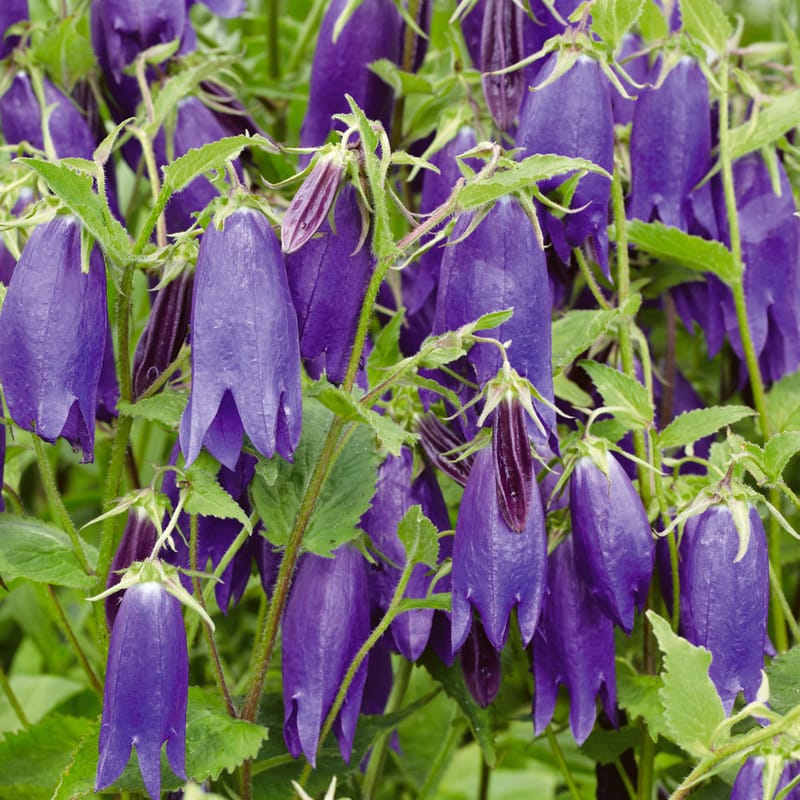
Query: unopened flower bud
{"type": "Point", "coordinates": [501, 46]}
{"type": "Point", "coordinates": [513, 464]}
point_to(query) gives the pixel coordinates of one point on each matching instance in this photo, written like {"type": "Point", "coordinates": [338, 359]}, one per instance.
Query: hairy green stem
{"type": "Point", "coordinates": [73, 639]}
{"type": "Point", "coordinates": [216, 662]}
{"type": "Point", "coordinates": [594, 287]}
{"type": "Point", "coordinates": [12, 699]}
{"type": "Point", "coordinates": [381, 747]}
{"type": "Point", "coordinates": [779, 633]}
{"type": "Point", "coordinates": [562, 763]}
{"type": "Point", "coordinates": [56, 501]}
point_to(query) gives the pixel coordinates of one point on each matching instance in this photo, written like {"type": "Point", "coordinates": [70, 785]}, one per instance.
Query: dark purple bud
{"type": "Point", "coordinates": [21, 119]}
{"type": "Point", "coordinates": [371, 33]}
{"type": "Point", "coordinates": [438, 440]}
{"type": "Point", "coordinates": [137, 543]}
{"type": "Point", "coordinates": [325, 623]}
{"type": "Point", "coordinates": [245, 354]}
{"type": "Point", "coordinates": [52, 336]}
{"type": "Point", "coordinates": [724, 601]}
{"type": "Point", "coordinates": [164, 334]}
{"type": "Point", "coordinates": [146, 689]}
{"type": "Point", "coordinates": [574, 647]}
{"type": "Point", "coordinates": [671, 151]}
{"type": "Point", "coordinates": [395, 493]}
{"type": "Point", "coordinates": [580, 100]}
{"type": "Point", "coordinates": [770, 235]}
{"type": "Point", "coordinates": [480, 663]}
{"type": "Point", "coordinates": [613, 541]}
{"type": "Point", "coordinates": [513, 464]}
{"type": "Point", "coordinates": [471, 27]}
{"type": "Point", "coordinates": [501, 46]}
{"type": "Point", "coordinates": [328, 279]}
{"type": "Point", "coordinates": [312, 202]}
{"type": "Point", "coordinates": [107, 384]}
{"type": "Point", "coordinates": [494, 568]}
{"type": "Point", "coordinates": [11, 12]}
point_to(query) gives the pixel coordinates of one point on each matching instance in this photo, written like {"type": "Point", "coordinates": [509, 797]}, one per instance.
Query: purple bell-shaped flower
{"type": "Point", "coordinates": [325, 623]}
{"type": "Point", "coordinates": [724, 602]}
{"type": "Point", "coordinates": [328, 279]}
{"type": "Point", "coordinates": [494, 567]}
{"type": "Point", "coordinates": [614, 544]}
{"type": "Point", "coordinates": [749, 783]}
{"type": "Point", "coordinates": [21, 119]}
{"type": "Point", "coordinates": [574, 647]}
{"type": "Point", "coordinates": [245, 353]}
{"type": "Point", "coordinates": [581, 102]}
{"type": "Point", "coordinates": [146, 689]}
{"type": "Point", "coordinates": [671, 152]}
{"type": "Point", "coordinates": [340, 67]}
{"type": "Point", "coordinates": [395, 493]}
{"type": "Point", "coordinates": [11, 12]}
{"type": "Point", "coordinates": [770, 237]}
{"type": "Point", "coordinates": [500, 265]}
{"type": "Point", "coordinates": [53, 334]}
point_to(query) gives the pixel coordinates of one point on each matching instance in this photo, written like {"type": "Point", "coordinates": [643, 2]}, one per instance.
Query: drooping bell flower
{"type": "Point", "coordinates": [137, 543]}
{"type": "Point", "coordinates": [325, 623]}
{"type": "Point", "coordinates": [164, 334]}
{"type": "Point", "coordinates": [770, 238]}
{"type": "Point", "coordinates": [724, 601]}
{"type": "Point", "coordinates": [328, 279]}
{"type": "Point", "coordinates": [340, 67]}
{"type": "Point", "coordinates": [395, 493]}
{"type": "Point", "coordinates": [500, 265]}
{"type": "Point", "coordinates": [494, 567]}
{"type": "Point", "coordinates": [146, 689]}
{"type": "Point", "coordinates": [501, 46]}
{"type": "Point", "coordinates": [421, 278]}
{"type": "Point", "coordinates": [481, 666]}
{"type": "Point", "coordinates": [580, 100]}
{"type": "Point", "coordinates": [21, 119]}
{"type": "Point", "coordinates": [52, 336]}
{"type": "Point", "coordinates": [614, 544]}
{"type": "Point", "coordinates": [245, 353]}
{"type": "Point", "coordinates": [11, 12]}
{"type": "Point", "coordinates": [573, 647]}
{"type": "Point", "coordinates": [671, 152]}
{"type": "Point", "coordinates": [750, 780]}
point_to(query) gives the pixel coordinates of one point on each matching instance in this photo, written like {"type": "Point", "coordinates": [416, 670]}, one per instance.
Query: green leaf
{"type": "Point", "coordinates": [778, 451]}
{"type": "Point", "coordinates": [403, 83]}
{"type": "Point", "coordinates": [386, 350]}
{"type": "Point", "coordinates": [205, 496]}
{"type": "Point", "coordinates": [674, 246]}
{"type": "Point", "coordinates": [783, 403]}
{"type": "Point", "coordinates": [419, 537]}
{"type": "Point", "coordinates": [692, 707]}
{"type": "Point", "coordinates": [622, 392]}
{"type": "Point", "coordinates": [214, 741]}
{"type": "Point", "coordinates": [770, 123]}
{"type": "Point", "coordinates": [701, 422]}
{"type": "Point", "coordinates": [199, 160]}
{"type": "Point", "coordinates": [611, 19]}
{"type": "Point", "coordinates": [576, 331]}
{"type": "Point", "coordinates": [345, 494]}
{"type": "Point", "coordinates": [480, 719]}
{"type": "Point", "coordinates": [64, 51]}
{"type": "Point", "coordinates": [37, 694]}
{"type": "Point", "coordinates": [606, 746]}
{"type": "Point", "coordinates": [32, 761]}
{"type": "Point", "coordinates": [519, 177]}
{"type": "Point", "coordinates": [166, 407]}
{"type": "Point", "coordinates": [639, 696]}
{"type": "Point", "coordinates": [76, 191]}
{"type": "Point", "coordinates": [388, 433]}
{"type": "Point", "coordinates": [784, 681]}
{"type": "Point", "coordinates": [706, 21]}
{"type": "Point", "coordinates": [39, 552]}
{"type": "Point", "coordinates": [653, 22]}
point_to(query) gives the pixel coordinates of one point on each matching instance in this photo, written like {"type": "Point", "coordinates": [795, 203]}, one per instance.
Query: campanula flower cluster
{"type": "Point", "coordinates": [485, 355]}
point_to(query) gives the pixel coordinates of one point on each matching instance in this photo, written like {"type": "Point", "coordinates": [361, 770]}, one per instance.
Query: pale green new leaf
{"type": "Point", "coordinates": [706, 21]}
{"type": "Point", "coordinates": [772, 121]}
{"type": "Point", "coordinates": [627, 396]}
{"type": "Point", "coordinates": [206, 497]}
{"type": "Point", "coordinates": [778, 451]}
{"type": "Point", "coordinates": [419, 537]}
{"type": "Point", "coordinates": [701, 422]}
{"type": "Point", "coordinates": [166, 407]}
{"type": "Point", "coordinates": [611, 19]}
